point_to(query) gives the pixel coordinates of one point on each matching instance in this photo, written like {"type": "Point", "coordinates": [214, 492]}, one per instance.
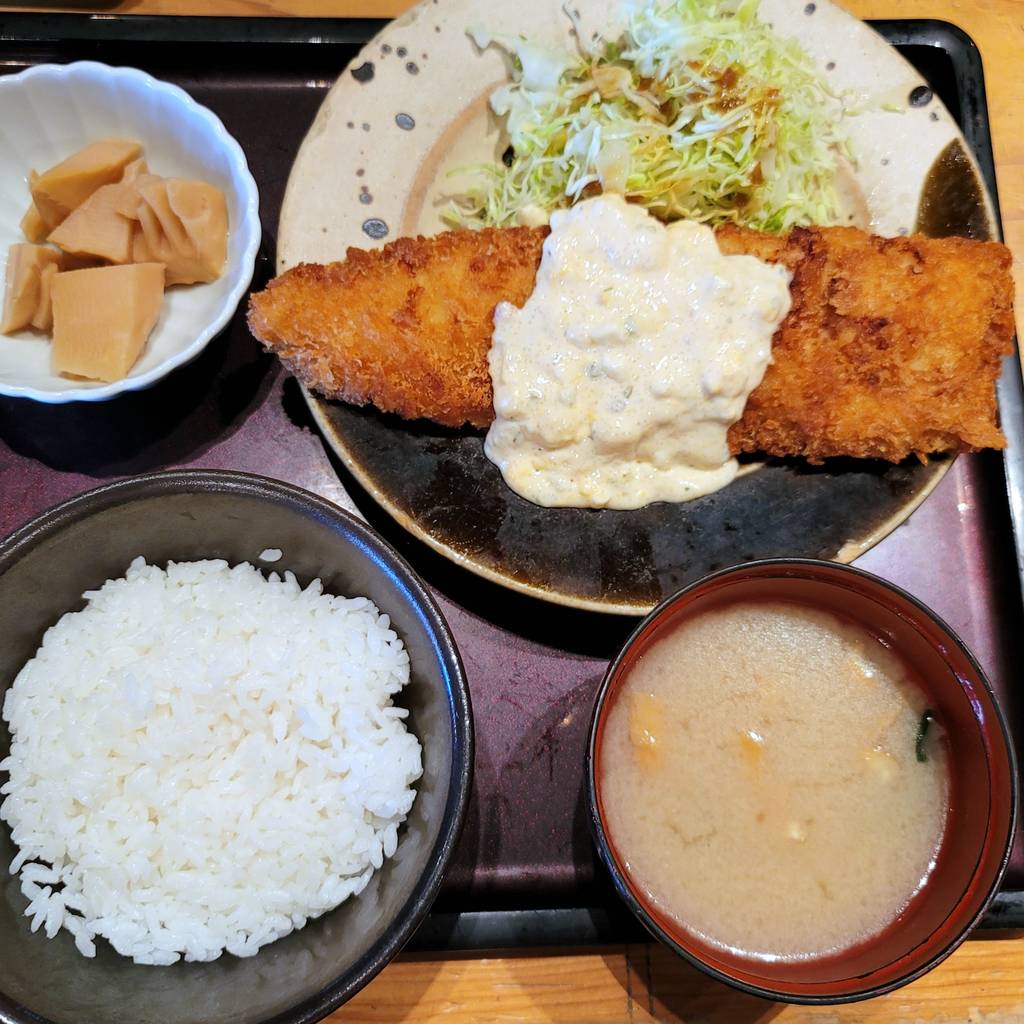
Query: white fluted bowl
{"type": "Point", "coordinates": [48, 112]}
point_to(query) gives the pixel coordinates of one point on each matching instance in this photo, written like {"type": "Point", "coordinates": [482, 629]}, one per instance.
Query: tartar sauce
{"type": "Point", "coordinates": [616, 383]}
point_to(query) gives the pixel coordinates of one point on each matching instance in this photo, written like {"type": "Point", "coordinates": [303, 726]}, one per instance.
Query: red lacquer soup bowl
{"type": "Point", "coordinates": [982, 785]}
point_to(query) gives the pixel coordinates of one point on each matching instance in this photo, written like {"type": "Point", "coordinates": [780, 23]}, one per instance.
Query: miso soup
{"type": "Point", "coordinates": [773, 780]}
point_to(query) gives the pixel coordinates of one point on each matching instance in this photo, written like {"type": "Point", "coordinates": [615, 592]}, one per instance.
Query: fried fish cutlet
{"type": "Point", "coordinates": [406, 327]}
{"type": "Point", "coordinates": [891, 348]}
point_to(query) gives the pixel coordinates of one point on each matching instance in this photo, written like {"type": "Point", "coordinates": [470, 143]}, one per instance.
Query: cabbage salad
{"type": "Point", "coordinates": [697, 111]}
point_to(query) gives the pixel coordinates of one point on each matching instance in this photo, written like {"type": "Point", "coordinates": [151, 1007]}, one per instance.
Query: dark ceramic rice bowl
{"type": "Point", "coordinates": [44, 569]}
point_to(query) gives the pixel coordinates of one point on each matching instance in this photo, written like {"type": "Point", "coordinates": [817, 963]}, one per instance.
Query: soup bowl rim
{"type": "Point", "coordinates": [803, 568]}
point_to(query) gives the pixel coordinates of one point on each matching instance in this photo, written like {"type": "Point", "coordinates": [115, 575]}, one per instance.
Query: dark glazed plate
{"type": "Point", "coordinates": [44, 569]}
{"type": "Point", "coordinates": [439, 485]}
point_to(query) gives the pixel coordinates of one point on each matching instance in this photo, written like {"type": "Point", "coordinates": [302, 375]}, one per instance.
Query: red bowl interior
{"type": "Point", "coordinates": [982, 810]}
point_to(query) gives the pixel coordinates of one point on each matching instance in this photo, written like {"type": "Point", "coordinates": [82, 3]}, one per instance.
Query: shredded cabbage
{"type": "Point", "coordinates": [698, 111]}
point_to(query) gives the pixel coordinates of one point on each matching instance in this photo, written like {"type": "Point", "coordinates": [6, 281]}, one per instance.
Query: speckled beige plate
{"type": "Point", "coordinates": [375, 166]}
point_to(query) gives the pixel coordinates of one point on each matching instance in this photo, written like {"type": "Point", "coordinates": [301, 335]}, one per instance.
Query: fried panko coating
{"type": "Point", "coordinates": [891, 348]}
{"type": "Point", "coordinates": [406, 327]}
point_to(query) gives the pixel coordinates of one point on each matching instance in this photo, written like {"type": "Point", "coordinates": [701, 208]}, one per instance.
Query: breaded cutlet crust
{"type": "Point", "coordinates": [406, 327]}
{"type": "Point", "coordinates": [892, 346]}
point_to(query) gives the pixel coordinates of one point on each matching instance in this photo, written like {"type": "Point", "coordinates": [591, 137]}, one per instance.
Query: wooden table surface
{"type": "Point", "coordinates": [982, 983]}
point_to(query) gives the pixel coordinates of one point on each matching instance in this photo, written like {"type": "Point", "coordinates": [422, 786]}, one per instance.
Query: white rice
{"type": "Point", "coordinates": [204, 759]}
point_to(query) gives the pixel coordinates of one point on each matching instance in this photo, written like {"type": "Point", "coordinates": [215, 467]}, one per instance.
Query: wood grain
{"type": "Point", "coordinates": [982, 983]}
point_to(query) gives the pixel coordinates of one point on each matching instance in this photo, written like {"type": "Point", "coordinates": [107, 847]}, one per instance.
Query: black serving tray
{"type": "Point", "coordinates": [266, 78]}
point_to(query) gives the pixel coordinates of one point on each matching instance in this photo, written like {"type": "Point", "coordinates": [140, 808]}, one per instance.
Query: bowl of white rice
{"type": "Point", "coordinates": [235, 754]}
